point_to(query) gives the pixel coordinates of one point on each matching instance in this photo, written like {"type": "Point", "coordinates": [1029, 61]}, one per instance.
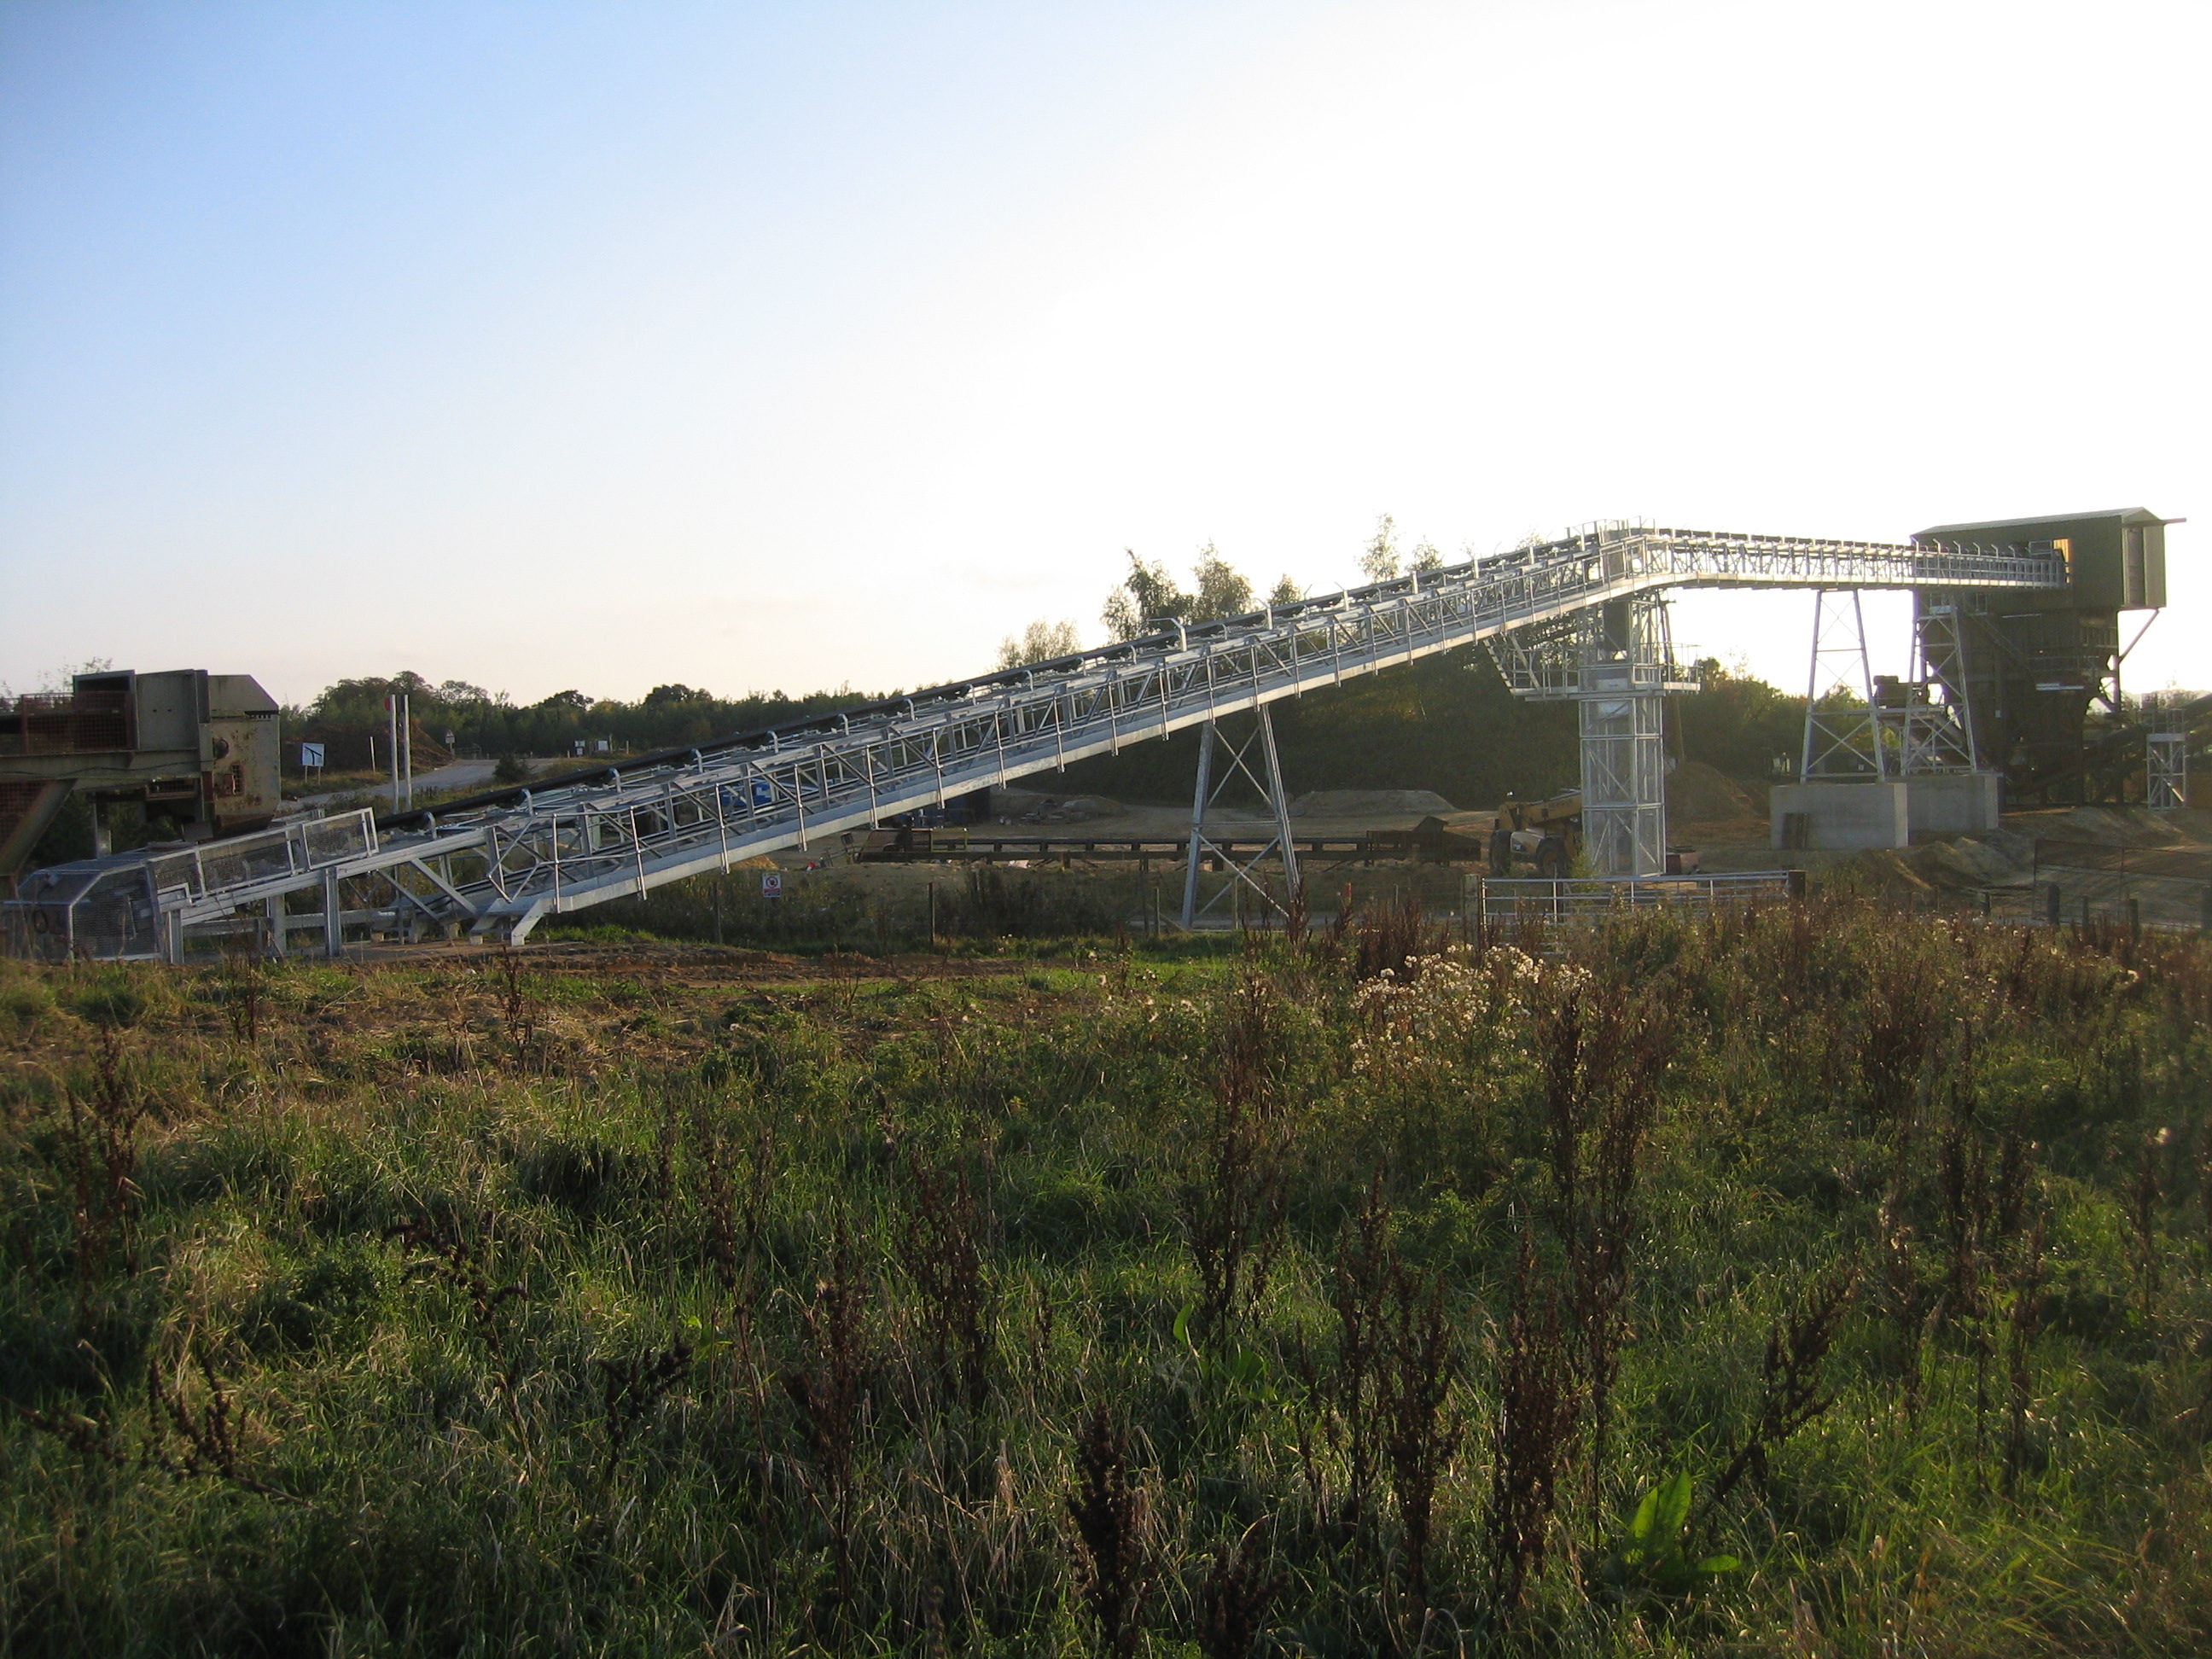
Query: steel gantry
{"type": "Point", "coordinates": [1616, 661]}
{"type": "Point", "coordinates": [497, 865]}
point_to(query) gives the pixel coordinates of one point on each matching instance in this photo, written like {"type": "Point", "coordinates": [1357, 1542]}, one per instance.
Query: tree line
{"type": "Point", "coordinates": [453, 717]}
{"type": "Point", "coordinates": [1446, 723]}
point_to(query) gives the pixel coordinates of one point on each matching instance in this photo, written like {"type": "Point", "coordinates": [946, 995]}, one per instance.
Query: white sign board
{"type": "Point", "coordinates": [764, 793]}
{"type": "Point", "coordinates": [311, 754]}
{"type": "Point", "coordinates": [771, 883]}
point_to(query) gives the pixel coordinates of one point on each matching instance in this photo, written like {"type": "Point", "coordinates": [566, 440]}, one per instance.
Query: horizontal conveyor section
{"type": "Point", "coordinates": [498, 865]}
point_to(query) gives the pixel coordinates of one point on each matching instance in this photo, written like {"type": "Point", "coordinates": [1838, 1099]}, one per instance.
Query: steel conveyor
{"type": "Point", "coordinates": [498, 864]}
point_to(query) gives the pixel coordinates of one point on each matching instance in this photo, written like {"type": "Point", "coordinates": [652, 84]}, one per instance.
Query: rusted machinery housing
{"type": "Point", "coordinates": [196, 749]}
{"type": "Point", "coordinates": [2024, 668]}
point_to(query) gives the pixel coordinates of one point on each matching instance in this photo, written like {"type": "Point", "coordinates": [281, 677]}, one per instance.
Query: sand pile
{"type": "Point", "coordinates": [1028, 806]}
{"type": "Point", "coordinates": [1965, 864]}
{"type": "Point", "coordinates": [2113, 826]}
{"type": "Point", "coordinates": [1698, 794]}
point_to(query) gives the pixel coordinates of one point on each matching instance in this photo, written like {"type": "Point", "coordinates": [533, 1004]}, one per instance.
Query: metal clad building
{"type": "Point", "coordinates": [2031, 664]}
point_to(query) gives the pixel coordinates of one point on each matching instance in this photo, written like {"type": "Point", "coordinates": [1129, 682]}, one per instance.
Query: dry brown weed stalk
{"type": "Point", "coordinates": [1113, 1563]}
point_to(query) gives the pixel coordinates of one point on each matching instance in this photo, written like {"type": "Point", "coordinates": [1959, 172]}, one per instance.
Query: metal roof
{"type": "Point", "coordinates": [1949, 531]}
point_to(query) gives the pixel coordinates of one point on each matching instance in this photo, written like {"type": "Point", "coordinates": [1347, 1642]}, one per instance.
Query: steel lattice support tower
{"type": "Point", "coordinates": [1624, 766]}
{"type": "Point", "coordinates": [1269, 782]}
{"type": "Point", "coordinates": [1616, 661]}
{"type": "Point", "coordinates": [1840, 744]}
{"type": "Point", "coordinates": [2165, 761]}
{"type": "Point", "coordinates": [1928, 712]}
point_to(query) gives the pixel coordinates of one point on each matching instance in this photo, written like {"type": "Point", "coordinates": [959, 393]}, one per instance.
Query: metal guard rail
{"type": "Point", "coordinates": [1517, 899]}
{"type": "Point", "coordinates": [502, 864]}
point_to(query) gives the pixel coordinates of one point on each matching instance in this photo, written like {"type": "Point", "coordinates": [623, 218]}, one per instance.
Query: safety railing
{"type": "Point", "coordinates": [1507, 901]}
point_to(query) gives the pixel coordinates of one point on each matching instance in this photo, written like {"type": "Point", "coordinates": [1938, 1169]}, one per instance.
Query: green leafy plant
{"type": "Point", "coordinates": [1655, 1557]}
{"type": "Point", "coordinates": [1224, 1373]}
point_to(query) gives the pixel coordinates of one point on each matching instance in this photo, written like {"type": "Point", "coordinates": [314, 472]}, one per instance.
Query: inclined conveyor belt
{"type": "Point", "coordinates": [499, 863]}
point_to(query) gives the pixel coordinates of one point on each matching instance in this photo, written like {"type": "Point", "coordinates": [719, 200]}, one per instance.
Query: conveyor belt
{"type": "Point", "coordinates": [498, 864]}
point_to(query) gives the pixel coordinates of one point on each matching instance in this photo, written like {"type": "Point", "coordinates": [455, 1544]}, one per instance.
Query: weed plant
{"type": "Point", "coordinates": [1810, 1281]}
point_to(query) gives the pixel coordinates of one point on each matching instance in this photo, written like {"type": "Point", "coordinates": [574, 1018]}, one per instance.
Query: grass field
{"type": "Point", "coordinates": [1820, 1282]}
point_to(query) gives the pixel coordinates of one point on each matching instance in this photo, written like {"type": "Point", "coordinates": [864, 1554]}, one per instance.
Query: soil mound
{"type": "Point", "coordinates": [2112, 826]}
{"type": "Point", "coordinates": [1365, 803]}
{"type": "Point", "coordinates": [1698, 794]}
{"type": "Point", "coordinates": [1027, 806]}
{"type": "Point", "coordinates": [1965, 864]}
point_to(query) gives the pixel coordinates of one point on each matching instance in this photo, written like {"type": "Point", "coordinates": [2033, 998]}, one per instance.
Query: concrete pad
{"type": "Point", "coordinates": [1841, 817]}
{"type": "Point", "coordinates": [1954, 804]}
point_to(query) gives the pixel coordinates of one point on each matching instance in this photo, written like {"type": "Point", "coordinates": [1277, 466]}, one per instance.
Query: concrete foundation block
{"type": "Point", "coordinates": [1847, 817]}
{"type": "Point", "coordinates": [1954, 804]}
{"type": "Point", "coordinates": [1840, 818]}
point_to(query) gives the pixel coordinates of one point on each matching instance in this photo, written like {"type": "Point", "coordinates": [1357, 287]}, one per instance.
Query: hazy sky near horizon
{"type": "Point", "coordinates": [603, 345]}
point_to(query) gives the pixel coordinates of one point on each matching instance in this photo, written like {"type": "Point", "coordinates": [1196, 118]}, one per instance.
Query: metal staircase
{"type": "Point", "coordinates": [497, 865]}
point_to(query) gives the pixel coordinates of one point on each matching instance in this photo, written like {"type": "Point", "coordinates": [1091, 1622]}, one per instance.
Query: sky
{"type": "Point", "coordinates": [552, 345]}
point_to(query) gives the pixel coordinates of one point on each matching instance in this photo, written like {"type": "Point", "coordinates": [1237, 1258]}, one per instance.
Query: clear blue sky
{"type": "Point", "coordinates": [602, 345]}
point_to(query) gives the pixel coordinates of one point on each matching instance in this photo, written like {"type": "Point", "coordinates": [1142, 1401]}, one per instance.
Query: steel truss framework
{"type": "Point", "coordinates": [1242, 872]}
{"type": "Point", "coordinates": [498, 870]}
{"type": "Point", "coordinates": [1840, 742]}
{"type": "Point", "coordinates": [1930, 727]}
{"type": "Point", "coordinates": [1914, 727]}
{"type": "Point", "coordinates": [2166, 757]}
{"type": "Point", "coordinates": [2165, 771]}
{"type": "Point", "coordinates": [1616, 661]}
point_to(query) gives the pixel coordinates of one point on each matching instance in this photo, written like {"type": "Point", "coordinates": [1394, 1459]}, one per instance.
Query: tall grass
{"type": "Point", "coordinates": [1811, 1280]}
{"type": "Point", "coordinates": [878, 910]}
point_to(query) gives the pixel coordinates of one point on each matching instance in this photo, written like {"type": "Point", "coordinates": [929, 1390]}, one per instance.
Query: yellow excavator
{"type": "Point", "coordinates": [1548, 832]}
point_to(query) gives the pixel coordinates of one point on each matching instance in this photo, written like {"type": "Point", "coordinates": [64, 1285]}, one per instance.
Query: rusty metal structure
{"type": "Point", "coordinates": [197, 748]}
{"type": "Point", "coordinates": [1570, 617]}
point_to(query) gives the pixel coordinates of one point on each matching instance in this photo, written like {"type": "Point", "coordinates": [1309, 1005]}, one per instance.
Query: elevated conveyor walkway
{"type": "Point", "coordinates": [497, 865]}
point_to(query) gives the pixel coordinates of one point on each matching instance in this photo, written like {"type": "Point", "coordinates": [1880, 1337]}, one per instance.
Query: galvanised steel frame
{"type": "Point", "coordinates": [1242, 869]}
{"type": "Point", "coordinates": [2166, 755]}
{"type": "Point", "coordinates": [1616, 662]}
{"type": "Point", "coordinates": [1840, 742]}
{"type": "Point", "coordinates": [2165, 771]}
{"type": "Point", "coordinates": [500, 867]}
{"type": "Point", "coordinates": [1935, 737]}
